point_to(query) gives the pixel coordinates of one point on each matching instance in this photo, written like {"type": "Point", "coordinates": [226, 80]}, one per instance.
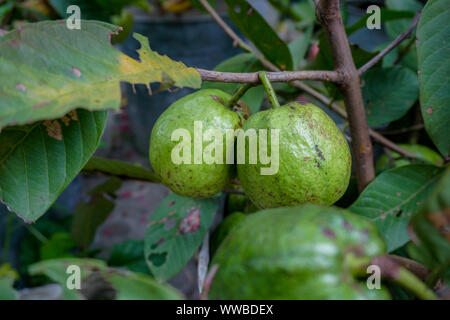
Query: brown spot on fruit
{"type": "Point", "coordinates": [319, 153]}
{"type": "Point", "coordinates": [329, 233]}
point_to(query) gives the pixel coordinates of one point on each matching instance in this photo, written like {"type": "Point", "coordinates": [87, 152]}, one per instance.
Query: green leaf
{"type": "Point", "coordinates": [36, 167]}
{"type": "Point", "coordinates": [48, 70]}
{"type": "Point", "coordinates": [88, 217]}
{"type": "Point", "coordinates": [7, 278]}
{"type": "Point", "coordinates": [57, 246]}
{"type": "Point", "coordinates": [260, 33]}
{"type": "Point", "coordinates": [433, 47]}
{"type": "Point", "coordinates": [431, 226]}
{"type": "Point", "coordinates": [56, 270]}
{"type": "Point", "coordinates": [120, 169]}
{"type": "Point", "coordinates": [394, 28]}
{"type": "Point", "coordinates": [393, 197]}
{"type": "Point", "coordinates": [129, 254]}
{"type": "Point", "coordinates": [299, 47]}
{"type": "Point", "coordinates": [175, 232]}
{"type": "Point", "coordinates": [388, 93]}
{"type": "Point", "coordinates": [244, 62]}
{"type": "Point", "coordinates": [386, 15]}
{"type": "Point", "coordinates": [126, 285]}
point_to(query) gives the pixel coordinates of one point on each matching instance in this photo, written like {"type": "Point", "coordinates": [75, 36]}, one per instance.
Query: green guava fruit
{"type": "Point", "coordinates": [422, 152]}
{"type": "Point", "coordinates": [224, 228]}
{"type": "Point", "coordinates": [306, 252]}
{"type": "Point", "coordinates": [314, 158]}
{"type": "Point", "coordinates": [188, 178]}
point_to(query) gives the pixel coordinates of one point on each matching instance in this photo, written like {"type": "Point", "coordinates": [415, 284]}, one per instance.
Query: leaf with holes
{"type": "Point", "coordinates": [260, 33]}
{"type": "Point", "coordinates": [47, 70]}
{"type": "Point", "coordinates": [433, 49]}
{"type": "Point", "coordinates": [244, 62]}
{"type": "Point", "coordinates": [388, 93]}
{"type": "Point", "coordinates": [39, 160]}
{"type": "Point", "coordinates": [393, 197]}
{"type": "Point", "coordinates": [130, 255]}
{"type": "Point", "coordinates": [175, 232]}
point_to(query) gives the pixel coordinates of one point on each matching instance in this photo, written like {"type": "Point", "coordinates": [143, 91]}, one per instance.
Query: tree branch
{"type": "Point", "coordinates": [391, 46]}
{"type": "Point", "coordinates": [285, 76]}
{"type": "Point", "coordinates": [329, 15]}
{"type": "Point", "coordinates": [322, 98]}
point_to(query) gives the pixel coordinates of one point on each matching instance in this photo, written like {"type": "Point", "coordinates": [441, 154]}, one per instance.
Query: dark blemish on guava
{"type": "Point", "coordinates": [245, 116]}
{"type": "Point", "coordinates": [218, 99]}
{"type": "Point", "coordinates": [319, 153]}
{"type": "Point", "coordinates": [291, 116]}
{"type": "Point", "coordinates": [36, 106]}
{"type": "Point", "coordinates": [157, 259]}
{"type": "Point", "coordinates": [328, 233]}
{"type": "Point", "coordinates": [317, 163]}
{"type": "Point", "coordinates": [348, 226]}
{"type": "Point", "coordinates": [306, 159]}
{"type": "Point", "coordinates": [292, 107]}
{"type": "Point", "coordinates": [171, 203]}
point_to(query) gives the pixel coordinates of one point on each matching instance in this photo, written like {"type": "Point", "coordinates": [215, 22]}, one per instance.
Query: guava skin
{"type": "Point", "coordinates": [302, 252]}
{"type": "Point", "coordinates": [314, 159]}
{"type": "Point", "coordinates": [193, 180]}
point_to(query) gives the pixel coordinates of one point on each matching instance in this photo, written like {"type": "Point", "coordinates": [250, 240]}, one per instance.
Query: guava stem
{"type": "Point", "coordinates": [238, 94]}
{"type": "Point", "coordinates": [396, 273]}
{"type": "Point", "coordinates": [409, 281]}
{"type": "Point", "coordinates": [269, 89]}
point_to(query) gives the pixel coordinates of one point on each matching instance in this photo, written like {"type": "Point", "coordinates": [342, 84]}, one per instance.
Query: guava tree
{"type": "Point", "coordinates": [57, 85]}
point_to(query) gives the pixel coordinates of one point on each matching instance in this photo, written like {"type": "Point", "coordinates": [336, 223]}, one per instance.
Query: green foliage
{"type": "Point", "coordinates": [257, 30]}
{"type": "Point", "coordinates": [393, 197]}
{"type": "Point", "coordinates": [124, 285]}
{"type": "Point", "coordinates": [431, 226]}
{"type": "Point", "coordinates": [39, 160]}
{"type": "Point", "coordinates": [432, 49]}
{"type": "Point", "coordinates": [175, 231]}
{"type": "Point", "coordinates": [388, 93]}
{"type": "Point", "coordinates": [130, 255]}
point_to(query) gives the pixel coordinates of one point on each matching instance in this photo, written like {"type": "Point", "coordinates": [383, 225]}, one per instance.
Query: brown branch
{"type": "Point", "coordinates": [322, 98]}
{"type": "Point", "coordinates": [329, 15]}
{"type": "Point", "coordinates": [285, 76]}
{"type": "Point", "coordinates": [391, 46]}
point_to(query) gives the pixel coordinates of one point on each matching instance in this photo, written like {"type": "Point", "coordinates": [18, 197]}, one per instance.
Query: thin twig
{"type": "Point", "coordinates": [284, 76]}
{"type": "Point", "coordinates": [416, 127]}
{"type": "Point", "coordinates": [391, 46]}
{"type": "Point", "coordinates": [237, 40]}
{"type": "Point", "coordinates": [322, 98]}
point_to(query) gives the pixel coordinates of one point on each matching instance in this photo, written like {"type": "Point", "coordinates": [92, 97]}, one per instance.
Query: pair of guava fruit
{"type": "Point", "coordinates": [314, 161]}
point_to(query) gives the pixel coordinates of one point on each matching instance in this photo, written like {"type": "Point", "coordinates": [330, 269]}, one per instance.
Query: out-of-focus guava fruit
{"type": "Point", "coordinates": [306, 252]}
